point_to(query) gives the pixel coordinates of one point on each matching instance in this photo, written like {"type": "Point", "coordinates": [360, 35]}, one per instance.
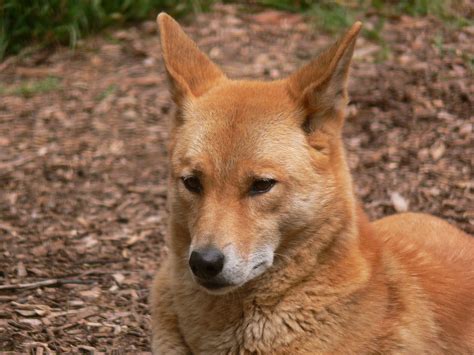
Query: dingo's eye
{"type": "Point", "coordinates": [261, 186]}
{"type": "Point", "coordinates": [192, 183]}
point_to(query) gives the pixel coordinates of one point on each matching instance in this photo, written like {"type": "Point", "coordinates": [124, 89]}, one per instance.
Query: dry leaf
{"type": "Point", "coordinates": [21, 270]}
{"type": "Point", "coordinates": [92, 293]}
{"type": "Point", "coordinates": [31, 322]}
{"type": "Point", "coordinates": [25, 313]}
{"type": "Point", "coordinates": [118, 277]}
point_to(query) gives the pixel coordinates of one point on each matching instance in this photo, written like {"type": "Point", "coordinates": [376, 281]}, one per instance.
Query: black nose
{"type": "Point", "coordinates": [206, 263]}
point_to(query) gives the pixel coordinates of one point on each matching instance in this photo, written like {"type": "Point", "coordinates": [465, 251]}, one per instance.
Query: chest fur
{"type": "Point", "coordinates": [231, 325]}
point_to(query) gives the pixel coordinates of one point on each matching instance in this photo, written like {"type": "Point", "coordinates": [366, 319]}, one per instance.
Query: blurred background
{"type": "Point", "coordinates": [84, 108]}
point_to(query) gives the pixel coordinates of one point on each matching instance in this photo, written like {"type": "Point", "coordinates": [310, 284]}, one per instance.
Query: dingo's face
{"type": "Point", "coordinates": [254, 165]}
{"type": "Point", "coordinates": [242, 176]}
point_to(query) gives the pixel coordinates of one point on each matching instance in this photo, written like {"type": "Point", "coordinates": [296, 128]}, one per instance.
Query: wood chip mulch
{"type": "Point", "coordinates": [83, 165]}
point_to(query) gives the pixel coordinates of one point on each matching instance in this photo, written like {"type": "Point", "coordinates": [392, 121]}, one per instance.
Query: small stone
{"type": "Point", "coordinates": [465, 129]}
{"type": "Point", "coordinates": [149, 27]}
{"type": "Point", "coordinates": [399, 202]}
{"type": "Point", "coordinates": [215, 52]}
{"type": "Point", "coordinates": [423, 154]}
{"type": "Point", "coordinates": [149, 62]}
{"type": "Point", "coordinates": [130, 114]}
{"type": "Point", "coordinates": [438, 103]}
{"type": "Point", "coordinates": [437, 151]}
{"type": "Point", "coordinates": [274, 73]}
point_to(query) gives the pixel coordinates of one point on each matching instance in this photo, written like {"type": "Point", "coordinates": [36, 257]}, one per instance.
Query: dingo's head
{"type": "Point", "coordinates": [254, 166]}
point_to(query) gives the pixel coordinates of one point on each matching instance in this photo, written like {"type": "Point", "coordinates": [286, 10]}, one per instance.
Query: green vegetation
{"type": "Point", "coordinates": [335, 15]}
{"type": "Point", "coordinates": [422, 7]}
{"type": "Point", "coordinates": [287, 5]}
{"type": "Point", "coordinates": [332, 15]}
{"type": "Point", "coordinates": [469, 60]}
{"type": "Point", "coordinates": [23, 22]}
{"type": "Point", "coordinates": [45, 22]}
{"type": "Point", "coordinates": [449, 11]}
{"type": "Point", "coordinates": [107, 92]}
{"type": "Point", "coordinates": [30, 88]}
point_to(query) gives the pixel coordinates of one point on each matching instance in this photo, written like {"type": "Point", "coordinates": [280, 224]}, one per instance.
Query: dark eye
{"type": "Point", "coordinates": [192, 183]}
{"type": "Point", "coordinates": [261, 186]}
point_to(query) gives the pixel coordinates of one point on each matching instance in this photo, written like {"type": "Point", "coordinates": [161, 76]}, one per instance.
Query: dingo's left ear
{"type": "Point", "coordinates": [190, 71]}
{"type": "Point", "coordinates": [320, 87]}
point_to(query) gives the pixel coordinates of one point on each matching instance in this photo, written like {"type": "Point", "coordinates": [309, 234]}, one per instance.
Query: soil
{"type": "Point", "coordinates": [83, 164]}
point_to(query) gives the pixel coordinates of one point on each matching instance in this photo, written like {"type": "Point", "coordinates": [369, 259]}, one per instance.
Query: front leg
{"type": "Point", "coordinates": [166, 336]}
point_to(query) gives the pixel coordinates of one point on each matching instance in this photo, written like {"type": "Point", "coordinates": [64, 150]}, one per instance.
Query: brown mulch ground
{"type": "Point", "coordinates": [83, 167]}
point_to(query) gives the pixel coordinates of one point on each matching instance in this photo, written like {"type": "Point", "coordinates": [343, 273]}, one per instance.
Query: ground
{"type": "Point", "coordinates": [83, 140]}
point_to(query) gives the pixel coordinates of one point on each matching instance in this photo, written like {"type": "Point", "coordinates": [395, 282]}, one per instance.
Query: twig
{"type": "Point", "coordinates": [9, 167]}
{"type": "Point", "coordinates": [101, 261]}
{"type": "Point", "coordinates": [8, 228]}
{"type": "Point", "coordinates": [50, 282]}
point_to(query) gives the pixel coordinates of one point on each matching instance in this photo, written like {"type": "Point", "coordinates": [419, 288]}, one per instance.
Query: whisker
{"type": "Point", "coordinates": [285, 257]}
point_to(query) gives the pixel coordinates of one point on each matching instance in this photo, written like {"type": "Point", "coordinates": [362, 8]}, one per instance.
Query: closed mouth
{"type": "Point", "coordinates": [259, 264]}
{"type": "Point", "coordinates": [213, 285]}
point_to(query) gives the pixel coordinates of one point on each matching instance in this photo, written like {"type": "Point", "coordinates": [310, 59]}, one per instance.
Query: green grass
{"type": "Point", "coordinates": [438, 42]}
{"type": "Point", "coordinates": [469, 60]}
{"type": "Point", "coordinates": [449, 11]}
{"type": "Point", "coordinates": [331, 16]}
{"type": "Point", "coordinates": [334, 15]}
{"type": "Point", "coordinates": [107, 92]}
{"type": "Point", "coordinates": [23, 22]}
{"type": "Point", "coordinates": [30, 88]}
{"type": "Point", "coordinates": [287, 5]}
{"type": "Point", "coordinates": [47, 22]}
{"type": "Point", "coordinates": [423, 7]}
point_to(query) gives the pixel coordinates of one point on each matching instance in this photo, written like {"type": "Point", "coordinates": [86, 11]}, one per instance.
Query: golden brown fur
{"type": "Point", "coordinates": [337, 283]}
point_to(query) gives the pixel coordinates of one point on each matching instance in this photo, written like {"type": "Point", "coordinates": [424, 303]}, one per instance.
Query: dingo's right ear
{"type": "Point", "coordinates": [190, 71]}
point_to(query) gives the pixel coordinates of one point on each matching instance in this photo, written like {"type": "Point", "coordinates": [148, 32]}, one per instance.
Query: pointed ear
{"type": "Point", "coordinates": [320, 87]}
{"type": "Point", "coordinates": [190, 71]}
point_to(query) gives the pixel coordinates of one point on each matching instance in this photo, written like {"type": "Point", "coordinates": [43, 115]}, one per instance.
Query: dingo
{"type": "Point", "coordinates": [268, 250]}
